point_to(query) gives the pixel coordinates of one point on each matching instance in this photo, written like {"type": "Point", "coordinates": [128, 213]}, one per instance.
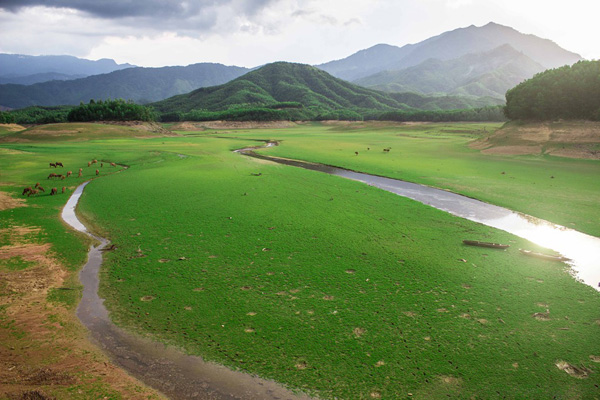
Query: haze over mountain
{"type": "Point", "coordinates": [308, 87]}
{"type": "Point", "coordinates": [141, 85]}
{"type": "Point", "coordinates": [23, 69]}
{"type": "Point", "coordinates": [446, 46]}
{"type": "Point", "coordinates": [489, 73]}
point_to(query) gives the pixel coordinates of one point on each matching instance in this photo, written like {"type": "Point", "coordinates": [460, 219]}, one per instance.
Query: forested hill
{"type": "Point", "coordinates": [570, 92]}
{"type": "Point", "coordinates": [288, 85]}
{"type": "Point", "coordinates": [141, 85]}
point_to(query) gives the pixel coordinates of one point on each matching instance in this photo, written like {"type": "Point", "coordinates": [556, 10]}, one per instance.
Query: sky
{"type": "Point", "coordinates": [249, 33]}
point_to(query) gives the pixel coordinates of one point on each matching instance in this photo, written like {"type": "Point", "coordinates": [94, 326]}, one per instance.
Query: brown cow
{"type": "Point", "coordinates": [64, 189]}
{"type": "Point", "coordinates": [59, 164]}
{"type": "Point", "coordinates": [112, 164]}
{"type": "Point", "coordinates": [79, 176]}
{"type": "Point", "coordinates": [52, 175]}
{"type": "Point", "coordinates": [32, 192]}
{"type": "Point", "coordinates": [89, 163]}
{"type": "Point", "coordinates": [41, 189]}
{"type": "Point", "coordinates": [94, 161]}
{"type": "Point", "coordinates": [80, 169]}
{"type": "Point", "coordinates": [53, 192]}
{"type": "Point", "coordinates": [37, 184]}
{"type": "Point", "coordinates": [53, 165]}
{"type": "Point", "coordinates": [26, 190]}
{"type": "Point", "coordinates": [69, 174]}
{"type": "Point", "coordinates": [356, 153]}
{"type": "Point", "coordinates": [97, 172]}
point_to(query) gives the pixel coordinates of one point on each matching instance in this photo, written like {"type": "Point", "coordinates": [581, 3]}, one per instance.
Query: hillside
{"type": "Point", "coordinates": [141, 85]}
{"type": "Point", "coordinates": [481, 74]}
{"type": "Point", "coordinates": [32, 68]}
{"type": "Point", "coordinates": [447, 46]}
{"type": "Point", "coordinates": [307, 91]}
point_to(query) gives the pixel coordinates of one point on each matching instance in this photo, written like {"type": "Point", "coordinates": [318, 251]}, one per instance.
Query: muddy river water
{"type": "Point", "coordinates": [180, 376]}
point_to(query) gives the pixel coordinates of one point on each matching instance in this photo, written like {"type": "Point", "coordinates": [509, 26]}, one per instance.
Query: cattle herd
{"type": "Point", "coordinates": [37, 189]}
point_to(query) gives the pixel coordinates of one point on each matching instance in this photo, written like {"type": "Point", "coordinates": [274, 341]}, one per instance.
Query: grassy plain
{"type": "Point", "coordinates": [326, 285]}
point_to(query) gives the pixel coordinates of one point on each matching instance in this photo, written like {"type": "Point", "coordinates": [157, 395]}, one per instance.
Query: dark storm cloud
{"type": "Point", "coordinates": [148, 12]}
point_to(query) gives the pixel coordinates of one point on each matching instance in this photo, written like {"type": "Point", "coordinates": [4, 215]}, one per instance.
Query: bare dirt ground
{"type": "Point", "coordinates": [8, 202]}
{"type": "Point", "coordinates": [44, 350]}
{"type": "Point", "coordinates": [12, 127]}
{"type": "Point", "coordinates": [200, 126]}
{"type": "Point", "coordinates": [573, 139]}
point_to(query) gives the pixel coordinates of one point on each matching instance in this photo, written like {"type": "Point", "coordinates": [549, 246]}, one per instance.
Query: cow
{"type": "Point", "coordinates": [94, 161]}
{"type": "Point", "coordinates": [101, 165]}
{"type": "Point", "coordinates": [356, 153]}
{"type": "Point", "coordinates": [97, 172]}
{"type": "Point", "coordinates": [53, 165]}
{"type": "Point", "coordinates": [89, 163]}
{"type": "Point", "coordinates": [41, 189]}
{"type": "Point", "coordinates": [79, 176]}
{"type": "Point", "coordinates": [32, 192]}
{"type": "Point", "coordinates": [59, 164]}
{"type": "Point", "coordinates": [26, 190]}
{"type": "Point", "coordinates": [37, 184]}
{"type": "Point", "coordinates": [112, 164]}
{"type": "Point", "coordinates": [69, 173]}
{"type": "Point", "coordinates": [53, 192]}
{"type": "Point", "coordinates": [52, 175]}
{"type": "Point", "coordinates": [64, 189]}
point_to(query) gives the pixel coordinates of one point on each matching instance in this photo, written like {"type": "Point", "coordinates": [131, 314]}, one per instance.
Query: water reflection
{"type": "Point", "coordinates": [582, 250]}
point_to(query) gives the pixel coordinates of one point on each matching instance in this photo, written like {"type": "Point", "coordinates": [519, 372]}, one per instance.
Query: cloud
{"type": "Point", "coordinates": [182, 16]}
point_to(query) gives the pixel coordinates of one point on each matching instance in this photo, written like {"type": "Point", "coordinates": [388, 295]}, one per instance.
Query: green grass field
{"type": "Point", "coordinates": [328, 285]}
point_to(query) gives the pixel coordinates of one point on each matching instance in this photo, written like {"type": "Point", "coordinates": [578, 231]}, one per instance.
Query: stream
{"type": "Point", "coordinates": [582, 250]}
{"type": "Point", "coordinates": [164, 368]}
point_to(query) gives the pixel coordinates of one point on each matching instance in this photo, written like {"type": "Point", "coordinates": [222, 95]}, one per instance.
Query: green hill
{"type": "Point", "coordinates": [481, 74]}
{"type": "Point", "coordinates": [305, 92]}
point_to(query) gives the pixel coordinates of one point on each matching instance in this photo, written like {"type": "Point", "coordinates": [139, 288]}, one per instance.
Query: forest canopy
{"type": "Point", "coordinates": [569, 92]}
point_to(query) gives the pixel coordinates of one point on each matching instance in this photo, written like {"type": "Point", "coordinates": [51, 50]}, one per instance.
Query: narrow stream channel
{"type": "Point", "coordinates": [175, 374]}
{"type": "Point", "coordinates": [583, 251]}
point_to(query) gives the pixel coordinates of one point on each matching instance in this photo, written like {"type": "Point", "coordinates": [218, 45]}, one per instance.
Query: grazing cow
{"type": "Point", "coordinates": [59, 164]}
{"type": "Point", "coordinates": [62, 177]}
{"type": "Point", "coordinates": [80, 169]}
{"type": "Point", "coordinates": [112, 164]}
{"type": "Point", "coordinates": [32, 192]}
{"type": "Point", "coordinates": [69, 174]}
{"type": "Point", "coordinates": [89, 163]}
{"type": "Point", "coordinates": [37, 184]}
{"type": "Point", "coordinates": [94, 161]}
{"type": "Point", "coordinates": [356, 153]}
{"type": "Point", "coordinates": [52, 175]}
{"type": "Point", "coordinates": [41, 189]}
{"type": "Point", "coordinates": [53, 165]}
{"type": "Point", "coordinates": [53, 192]}
{"type": "Point", "coordinates": [387, 150]}
{"type": "Point", "coordinates": [64, 189]}
{"type": "Point", "coordinates": [79, 176]}
{"type": "Point", "coordinates": [26, 190]}
{"type": "Point", "coordinates": [97, 172]}
{"type": "Point", "coordinates": [101, 164]}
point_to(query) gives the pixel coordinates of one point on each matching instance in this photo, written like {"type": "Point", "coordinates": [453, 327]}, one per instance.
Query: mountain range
{"type": "Point", "coordinates": [26, 70]}
{"type": "Point", "coordinates": [142, 85]}
{"type": "Point", "coordinates": [472, 62]}
{"type": "Point", "coordinates": [449, 45]}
